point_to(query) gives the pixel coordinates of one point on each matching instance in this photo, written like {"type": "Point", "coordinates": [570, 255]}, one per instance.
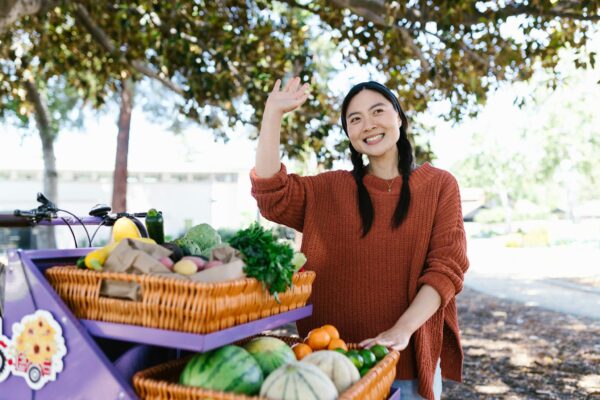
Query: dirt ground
{"type": "Point", "coordinates": [513, 351]}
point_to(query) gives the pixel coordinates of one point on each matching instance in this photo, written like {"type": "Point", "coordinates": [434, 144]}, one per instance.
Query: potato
{"type": "Point", "coordinates": [185, 267]}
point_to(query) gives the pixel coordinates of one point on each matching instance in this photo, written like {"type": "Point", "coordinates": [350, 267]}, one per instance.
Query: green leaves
{"type": "Point", "coordinates": [224, 52]}
{"type": "Point", "coordinates": [266, 259]}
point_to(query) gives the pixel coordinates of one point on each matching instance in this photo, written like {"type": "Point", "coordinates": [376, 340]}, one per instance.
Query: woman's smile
{"type": "Point", "coordinates": [374, 139]}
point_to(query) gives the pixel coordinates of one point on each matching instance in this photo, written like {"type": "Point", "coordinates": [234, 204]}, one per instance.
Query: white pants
{"type": "Point", "coordinates": [409, 389]}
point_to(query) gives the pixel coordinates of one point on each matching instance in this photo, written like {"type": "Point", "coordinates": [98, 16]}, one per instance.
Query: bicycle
{"type": "Point", "coordinates": [47, 213]}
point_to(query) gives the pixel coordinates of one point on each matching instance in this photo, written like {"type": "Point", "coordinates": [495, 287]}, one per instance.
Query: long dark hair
{"type": "Point", "coordinates": [405, 160]}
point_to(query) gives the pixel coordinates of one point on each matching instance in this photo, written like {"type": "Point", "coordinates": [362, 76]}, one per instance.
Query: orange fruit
{"type": "Point", "coordinates": [337, 344]}
{"type": "Point", "coordinates": [318, 339]}
{"type": "Point", "coordinates": [301, 350]}
{"type": "Point", "coordinates": [332, 330]}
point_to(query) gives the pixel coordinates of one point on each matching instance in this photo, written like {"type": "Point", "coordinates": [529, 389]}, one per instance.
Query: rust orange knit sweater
{"type": "Point", "coordinates": [364, 285]}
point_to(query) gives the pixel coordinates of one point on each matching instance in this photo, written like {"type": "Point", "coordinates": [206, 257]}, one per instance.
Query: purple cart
{"type": "Point", "coordinates": [89, 370]}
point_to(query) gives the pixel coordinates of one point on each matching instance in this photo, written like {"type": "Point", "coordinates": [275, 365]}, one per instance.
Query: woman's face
{"type": "Point", "coordinates": [372, 123]}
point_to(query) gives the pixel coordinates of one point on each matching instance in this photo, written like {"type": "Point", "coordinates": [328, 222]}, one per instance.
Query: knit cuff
{"type": "Point", "coordinates": [265, 185]}
{"type": "Point", "coordinates": [441, 283]}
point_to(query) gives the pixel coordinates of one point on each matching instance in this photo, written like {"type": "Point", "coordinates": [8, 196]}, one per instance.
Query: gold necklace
{"type": "Point", "coordinates": [390, 183]}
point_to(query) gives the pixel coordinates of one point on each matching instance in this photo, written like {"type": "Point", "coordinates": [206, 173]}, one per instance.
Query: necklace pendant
{"type": "Point", "coordinates": [389, 189]}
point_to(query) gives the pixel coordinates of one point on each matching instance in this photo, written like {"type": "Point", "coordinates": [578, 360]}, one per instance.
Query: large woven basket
{"type": "Point", "coordinates": [175, 304]}
{"type": "Point", "coordinates": [161, 382]}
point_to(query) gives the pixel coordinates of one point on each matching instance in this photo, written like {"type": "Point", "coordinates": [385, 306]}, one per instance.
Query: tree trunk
{"type": "Point", "coordinates": [119, 198]}
{"type": "Point", "coordinates": [46, 237]}
{"type": "Point", "coordinates": [13, 10]}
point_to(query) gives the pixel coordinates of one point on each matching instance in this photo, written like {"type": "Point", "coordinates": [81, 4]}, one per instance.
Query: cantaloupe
{"type": "Point", "coordinates": [342, 372]}
{"type": "Point", "coordinates": [298, 381]}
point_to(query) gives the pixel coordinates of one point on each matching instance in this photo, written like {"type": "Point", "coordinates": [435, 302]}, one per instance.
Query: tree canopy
{"type": "Point", "coordinates": [225, 55]}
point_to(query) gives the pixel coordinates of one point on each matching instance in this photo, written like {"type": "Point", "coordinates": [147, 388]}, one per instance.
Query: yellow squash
{"type": "Point", "coordinates": [95, 259]}
{"type": "Point", "coordinates": [125, 228]}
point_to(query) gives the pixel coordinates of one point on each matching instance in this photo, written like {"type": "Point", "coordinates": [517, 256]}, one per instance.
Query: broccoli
{"type": "Point", "coordinates": [199, 241]}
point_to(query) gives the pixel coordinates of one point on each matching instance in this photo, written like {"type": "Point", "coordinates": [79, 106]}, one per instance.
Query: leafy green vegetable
{"type": "Point", "coordinates": [266, 259]}
{"type": "Point", "coordinates": [199, 240]}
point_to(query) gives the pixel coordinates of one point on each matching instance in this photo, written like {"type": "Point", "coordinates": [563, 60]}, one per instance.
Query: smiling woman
{"type": "Point", "coordinates": [372, 125]}
{"type": "Point", "coordinates": [390, 254]}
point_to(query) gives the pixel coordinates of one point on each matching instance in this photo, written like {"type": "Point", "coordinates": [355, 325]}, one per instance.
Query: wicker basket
{"type": "Point", "coordinates": [175, 304]}
{"type": "Point", "coordinates": [161, 382]}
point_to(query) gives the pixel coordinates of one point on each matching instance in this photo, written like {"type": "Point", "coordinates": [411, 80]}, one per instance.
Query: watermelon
{"type": "Point", "coordinates": [298, 381]}
{"type": "Point", "coordinates": [228, 369]}
{"type": "Point", "coordinates": [270, 353]}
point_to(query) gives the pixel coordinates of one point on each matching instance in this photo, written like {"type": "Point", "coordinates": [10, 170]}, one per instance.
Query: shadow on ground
{"type": "Point", "coordinates": [514, 351]}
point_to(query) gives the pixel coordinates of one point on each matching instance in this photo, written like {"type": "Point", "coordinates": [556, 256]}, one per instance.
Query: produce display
{"type": "Point", "coordinates": [253, 252]}
{"type": "Point", "coordinates": [320, 366]}
{"type": "Point", "coordinates": [306, 370]}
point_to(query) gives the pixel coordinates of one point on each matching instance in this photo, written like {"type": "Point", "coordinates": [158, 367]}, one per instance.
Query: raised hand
{"type": "Point", "coordinates": [291, 97]}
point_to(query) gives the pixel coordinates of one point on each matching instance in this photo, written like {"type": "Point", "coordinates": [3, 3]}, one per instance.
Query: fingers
{"type": "Point", "coordinates": [376, 340]}
{"type": "Point", "coordinates": [384, 341]}
{"type": "Point", "coordinates": [292, 85]}
{"type": "Point", "coordinates": [295, 84]}
{"type": "Point", "coordinates": [277, 86]}
{"type": "Point", "coordinates": [303, 91]}
{"type": "Point", "coordinates": [288, 85]}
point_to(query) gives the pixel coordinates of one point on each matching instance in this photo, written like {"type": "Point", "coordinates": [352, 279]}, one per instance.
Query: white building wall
{"type": "Point", "coordinates": [221, 199]}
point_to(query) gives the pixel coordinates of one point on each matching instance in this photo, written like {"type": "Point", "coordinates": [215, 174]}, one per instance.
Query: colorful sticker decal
{"type": "Point", "coordinates": [4, 366]}
{"type": "Point", "coordinates": [36, 349]}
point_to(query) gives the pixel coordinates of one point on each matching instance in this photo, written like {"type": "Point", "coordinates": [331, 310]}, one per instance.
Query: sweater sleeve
{"type": "Point", "coordinates": [281, 198]}
{"type": "Point", "coordinates": [446, 260]}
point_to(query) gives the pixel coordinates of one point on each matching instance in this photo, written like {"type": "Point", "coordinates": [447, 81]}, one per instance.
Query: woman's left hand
{"type": "Point", "coordinates": [396, 338]}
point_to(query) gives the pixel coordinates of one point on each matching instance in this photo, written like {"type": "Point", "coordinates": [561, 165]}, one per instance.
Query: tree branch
{"type": "Point", "coordinates": [42, 116]}
{"type": "Point", "coordinates": [559, 10]}
{"type": "Point", "coordinates": [106, 42]}
{"type": "Point", "coordinates": [375, 11]}
{"type": "Point", "coordinates": [13, 10]}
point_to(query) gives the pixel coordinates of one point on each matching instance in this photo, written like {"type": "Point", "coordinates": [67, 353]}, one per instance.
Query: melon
{"type": "Point", "coordinates": [342, 372]}
{"type": "Point", "coordinates": [228, 369]}
{"type": "Point", "coordinates": [270, 353]}
{"type": "Point", "coordinates": [298, 381]}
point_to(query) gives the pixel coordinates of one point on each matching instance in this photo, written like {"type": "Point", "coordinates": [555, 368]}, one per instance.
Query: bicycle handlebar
{"type": "Point", "coordinates": [14, 221]}
{"type": "Point", "coordinates": [46, 214]}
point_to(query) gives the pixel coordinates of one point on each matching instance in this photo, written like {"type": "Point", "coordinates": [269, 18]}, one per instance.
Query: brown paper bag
{"type": "Point", "coordinates": [232, 268]}
{"type": "Point", "coordinates": [133, 257]}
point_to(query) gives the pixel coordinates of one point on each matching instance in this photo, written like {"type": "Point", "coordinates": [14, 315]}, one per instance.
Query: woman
{"type": "Point", "coordinates": [386, 240]}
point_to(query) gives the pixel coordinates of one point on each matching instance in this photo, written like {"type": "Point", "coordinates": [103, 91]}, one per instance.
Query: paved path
{"type": "Point", "coordinates": [536, 276]}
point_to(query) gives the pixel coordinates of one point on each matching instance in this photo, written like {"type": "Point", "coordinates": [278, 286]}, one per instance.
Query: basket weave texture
{"type": "Point", "coordinates": [175, 304]}
{"type": "Point", "coordinates": [161, 382]}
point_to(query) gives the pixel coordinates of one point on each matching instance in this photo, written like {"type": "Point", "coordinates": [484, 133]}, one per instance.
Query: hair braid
{"type": "Point", "coordinates": [365, 206]}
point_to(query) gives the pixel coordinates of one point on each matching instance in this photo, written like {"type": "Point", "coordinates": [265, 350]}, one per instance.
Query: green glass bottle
{"type": "Point", "coordinates": [154, 225]}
